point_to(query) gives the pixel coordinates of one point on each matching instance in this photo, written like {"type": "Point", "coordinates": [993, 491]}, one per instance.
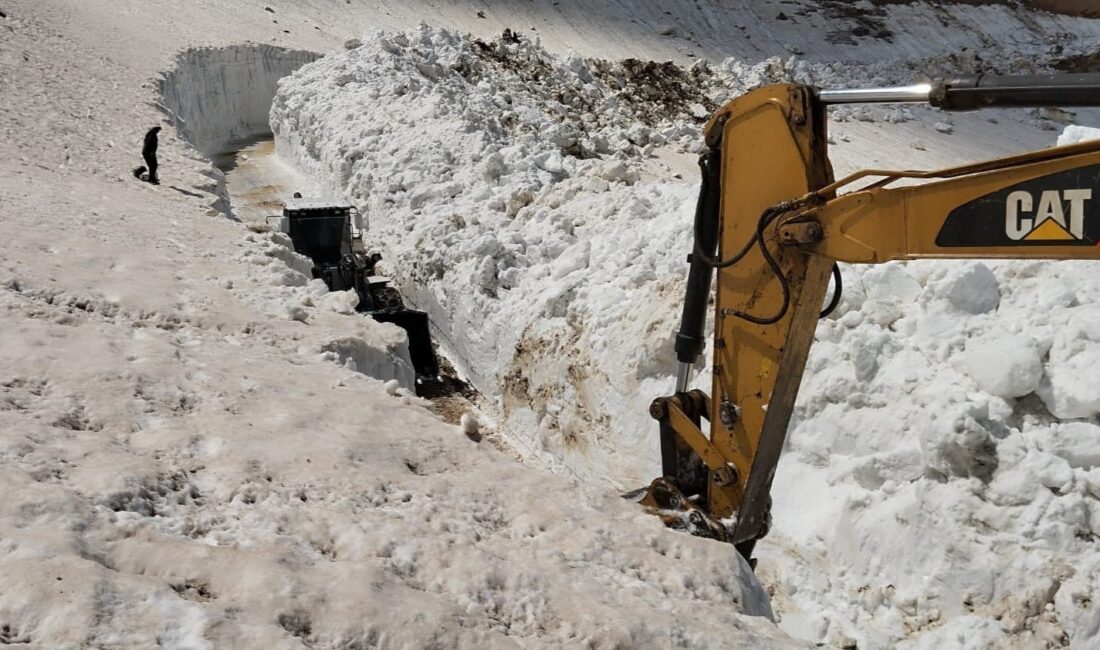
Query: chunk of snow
{"type": "Point", "coordinates": [890, 283]}
{"type": "Point", "coordinates": [297, 312]}
{"type": "Point", "coordinates": [1074, 134]}
{"type": "Point", "coordinates": [1071, 384]}
{"type": "Point", "coordinates": [1076, 442]}
{"type": "Point", "coordinates": [1007, 366]}
{"type": "Point", "coordinates": [971, 287]}
{"type": "Point", "coordinates": [469, 425]}
{"type": "Point", "coordinates": [341, 302]}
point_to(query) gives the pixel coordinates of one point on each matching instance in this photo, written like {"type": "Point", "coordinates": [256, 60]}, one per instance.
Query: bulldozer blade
{"type": "Point", "coordinates": [415, 324]}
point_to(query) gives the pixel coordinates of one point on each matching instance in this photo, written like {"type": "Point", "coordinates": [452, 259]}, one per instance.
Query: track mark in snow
{"type": "Point", "coordinates": [10, 635]}
{"type": "Point", "coordinates": [298, 625]}
{"type": "Point", "coordinates": [195, 590]}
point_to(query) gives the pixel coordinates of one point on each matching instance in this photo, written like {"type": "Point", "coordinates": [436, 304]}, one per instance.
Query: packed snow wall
{"type": "Point", "coordinates": [216, 97]}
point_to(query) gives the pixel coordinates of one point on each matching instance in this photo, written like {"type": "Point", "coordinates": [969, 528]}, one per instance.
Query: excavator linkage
{"type": "Point", "coordinates": [771, 226]}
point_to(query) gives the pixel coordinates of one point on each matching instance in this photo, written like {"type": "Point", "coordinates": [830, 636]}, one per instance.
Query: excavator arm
{"type": "Point", "coordinates": [772, 224]}
{"type": "Point", "coordinates": [1037, 205]}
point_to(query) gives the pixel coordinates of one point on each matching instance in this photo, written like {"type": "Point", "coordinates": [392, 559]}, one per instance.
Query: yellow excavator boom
{"type": "Point", "coordinates": [772, 223]}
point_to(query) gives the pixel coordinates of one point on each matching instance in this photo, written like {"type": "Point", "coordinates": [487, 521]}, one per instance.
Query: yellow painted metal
{"type": "Point", "coordinates": [881, 224]}
{"type": "Point", "coordinates": [773, 151]}
{"type": "Point", "coordinates": [726, 494]}
{"type": "Point", "coordinates": [694, 438]}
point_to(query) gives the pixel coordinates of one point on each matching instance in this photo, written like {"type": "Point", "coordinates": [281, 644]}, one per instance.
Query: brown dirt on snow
{"type": "Point", "coordinates": [1086, 8]}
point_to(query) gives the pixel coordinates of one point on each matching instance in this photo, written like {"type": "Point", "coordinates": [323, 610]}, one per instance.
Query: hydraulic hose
{"type": "Point", "coordinates": [838, 289]}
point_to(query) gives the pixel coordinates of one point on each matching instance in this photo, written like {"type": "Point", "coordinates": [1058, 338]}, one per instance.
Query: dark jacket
{"type": "Point", "coordinates": [150, 146]}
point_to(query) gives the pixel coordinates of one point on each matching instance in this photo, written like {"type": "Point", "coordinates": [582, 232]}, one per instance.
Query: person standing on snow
{"type": "Point", "coordinates": [149, 153]}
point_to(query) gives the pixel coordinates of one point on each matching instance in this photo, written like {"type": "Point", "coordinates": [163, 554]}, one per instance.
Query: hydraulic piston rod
{"type": "Point", "coordinates": [918, 93]}
{"type": "Point", "coordinates": [971, 92]}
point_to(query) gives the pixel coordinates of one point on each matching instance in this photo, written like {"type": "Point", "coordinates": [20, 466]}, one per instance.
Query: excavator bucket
{"type": "Point", "coordinates": [415, 324]}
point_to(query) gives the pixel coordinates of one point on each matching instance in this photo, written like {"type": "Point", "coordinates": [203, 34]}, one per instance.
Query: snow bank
{"type": "Point", "coordinates": [504, 181]}
{"type": "Point", "coordinates": [514, 190]}
{"type": "Point", "coordinates": [932, 417]}
{"type": "Point", "coordinates": [923, 495]}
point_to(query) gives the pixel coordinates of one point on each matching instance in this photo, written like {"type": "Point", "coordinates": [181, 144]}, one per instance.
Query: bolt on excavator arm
{"type": "Point", "coordinates": [772, 226]}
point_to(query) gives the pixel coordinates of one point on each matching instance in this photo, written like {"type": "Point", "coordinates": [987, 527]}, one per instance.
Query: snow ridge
{"type": "Point", "coordinates": [504, 181]}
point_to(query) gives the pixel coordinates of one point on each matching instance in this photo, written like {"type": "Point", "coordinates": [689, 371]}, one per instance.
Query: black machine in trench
{"type": "Point", "coordinates": [327, 232]}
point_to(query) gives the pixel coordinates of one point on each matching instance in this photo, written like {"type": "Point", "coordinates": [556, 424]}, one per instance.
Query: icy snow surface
{"type": "Point", "coordinates": [930, 493]}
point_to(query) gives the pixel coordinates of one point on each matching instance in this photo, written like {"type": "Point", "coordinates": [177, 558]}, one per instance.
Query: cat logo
{"type": "Point", "coordinates": [1051, 220]}
{"type": "Point", "coordinates": [1053, 210]}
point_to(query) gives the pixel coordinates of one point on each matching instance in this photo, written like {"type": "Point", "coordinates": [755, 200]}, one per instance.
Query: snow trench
{"type": "Point", "coordinates": [219, 97]}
